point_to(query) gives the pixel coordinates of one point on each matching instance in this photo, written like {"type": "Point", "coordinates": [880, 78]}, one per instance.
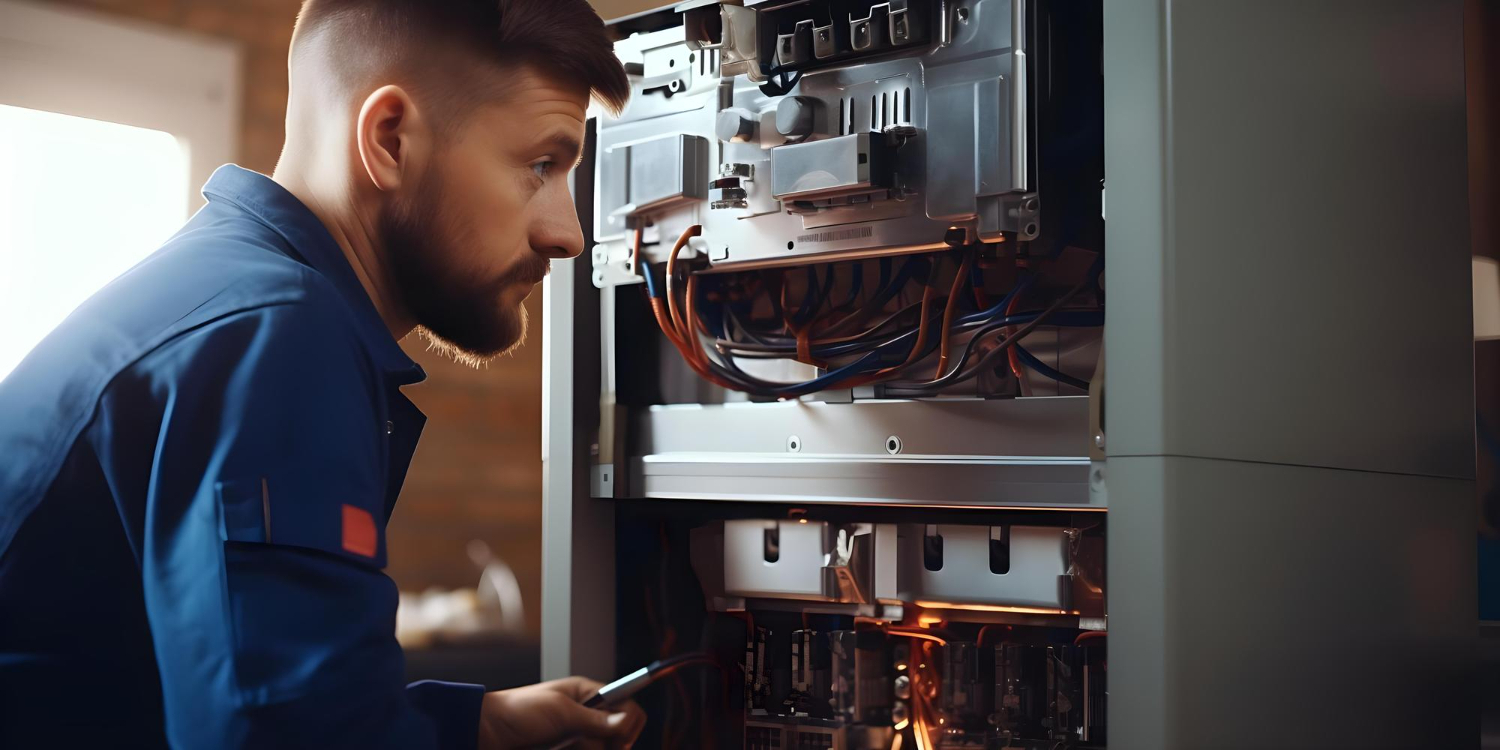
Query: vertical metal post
{"type": "Point", "coordinates": [578, 572]}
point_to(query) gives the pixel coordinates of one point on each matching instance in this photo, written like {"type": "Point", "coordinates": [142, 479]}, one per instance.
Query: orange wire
{"type": "Point", "coordinates": [909, 633]}
{"type": "Point", "coordinates": [854, 381]}
{"type": "Point", "coordinates": [672, 319]}
{"type": "Point", "coordinates": [948, 311]}
{"type": "Point", "coordinates": [928, 293]}
{"type": "Point", "coordinates": [659, 307]}
{"type": "Point", "coordinates": [1010, 355]}
{"type": "Point", "coordinates": [986, 629]}
{"type": "Point", "coordinates": [676, 314]}
{"type": "Point", "coordinates": [635, 254]}
{"type": "Point", "coordinates": [1089, 634]}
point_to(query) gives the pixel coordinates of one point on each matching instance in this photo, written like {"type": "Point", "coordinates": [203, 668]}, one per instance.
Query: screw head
{"type": "Point", "coordinates": [1099, 440]}
{"type": "Point", "coordinates": [893, 445]}
{"type": "Point", "coordinates": [794, 444]}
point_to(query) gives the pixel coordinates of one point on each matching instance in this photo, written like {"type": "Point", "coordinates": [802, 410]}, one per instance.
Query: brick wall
{"type": "Point", "coordinates": [477, 472]}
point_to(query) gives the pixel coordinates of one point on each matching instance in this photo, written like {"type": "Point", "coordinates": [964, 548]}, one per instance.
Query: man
{"type": "Point", "coordinates": [197, 466]}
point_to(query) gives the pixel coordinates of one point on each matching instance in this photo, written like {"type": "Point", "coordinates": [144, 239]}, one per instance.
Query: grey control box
{"type": "Point", "coordinates": [912, 126]}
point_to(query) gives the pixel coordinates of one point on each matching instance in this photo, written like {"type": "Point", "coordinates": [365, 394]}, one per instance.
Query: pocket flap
{"type": "Point", "coordinates": [270, 510]}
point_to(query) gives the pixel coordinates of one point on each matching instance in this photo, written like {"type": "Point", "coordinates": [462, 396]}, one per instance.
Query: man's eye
{"type": "Point", "coordinates": [542, 168]}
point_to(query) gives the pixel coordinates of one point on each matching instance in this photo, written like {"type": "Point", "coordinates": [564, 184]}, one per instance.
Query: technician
{"type": "Point", "coordinates": [197, 466]}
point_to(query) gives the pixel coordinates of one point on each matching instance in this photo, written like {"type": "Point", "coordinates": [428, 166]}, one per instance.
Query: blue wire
{"type": "Point", "coordinates": [1030, 360]}
{"type": "Point", "coordinates": [1062, 318]}
{"type": "Point", "coordinates": [855, 287]}
{"type": "Point", "coordinates": [984, 316]}
{"type": "Point", "coordinates": [805, 312]}
{"type": "Point", "coordinates": [873, 360]}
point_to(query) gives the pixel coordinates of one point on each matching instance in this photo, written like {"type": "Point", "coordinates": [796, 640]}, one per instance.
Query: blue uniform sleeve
{"type": "Point", "coordinates": [272, 621]}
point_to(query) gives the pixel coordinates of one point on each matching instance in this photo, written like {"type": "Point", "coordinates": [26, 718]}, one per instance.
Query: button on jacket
{"type": "Point", "coordinates": [196, 470]}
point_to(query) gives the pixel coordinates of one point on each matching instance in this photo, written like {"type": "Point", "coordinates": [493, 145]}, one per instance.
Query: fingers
{"type": "Point", "coordinates": [575, 687]}
{"type": "Point", "coordinates": [634, 722]}
{"type": "Point", "coordinates": [614, 727]}
{"type": "Point", "coordinates": [617, 724]}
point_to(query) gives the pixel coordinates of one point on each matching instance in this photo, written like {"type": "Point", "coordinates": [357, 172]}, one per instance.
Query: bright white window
{"type": "Point", "coordinates": [81, 201]}
{"type": "Point", "coordinates": [108, 128]}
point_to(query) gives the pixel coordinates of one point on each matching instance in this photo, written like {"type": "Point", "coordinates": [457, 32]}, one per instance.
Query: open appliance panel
{"type": "Point", "coordinates": [651, 468]}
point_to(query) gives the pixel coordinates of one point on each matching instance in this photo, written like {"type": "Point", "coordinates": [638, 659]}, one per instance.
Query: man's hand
{"type": "Point", "coordinates": [543, 715]}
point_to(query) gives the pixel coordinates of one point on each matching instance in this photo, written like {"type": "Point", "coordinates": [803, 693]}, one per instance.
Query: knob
{"type": "Point", "coordinates": [735, 124]}
{"type": "Point", "coordinates": [794, 117]}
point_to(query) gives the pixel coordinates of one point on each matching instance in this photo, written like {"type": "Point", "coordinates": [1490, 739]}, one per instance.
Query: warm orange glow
{"type": "Point", "coordinates": [900, 725]}
{"type": "Point", "coordinates": [912, 633]}
{"type": "Point", "coordinates": [802, 520]}
{"type": "Point", "coordinates": [921, 735]}
{"type": "Point", "coordinates": [995, 608]}
{"type": "Point", "coordinates": [929, 620]}
{"type": "Point", "coordinates": [900, 667]}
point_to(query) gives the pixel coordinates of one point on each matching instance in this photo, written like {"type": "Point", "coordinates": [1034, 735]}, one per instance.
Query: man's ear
{"type": "Point", "coordinates": [388, 133]}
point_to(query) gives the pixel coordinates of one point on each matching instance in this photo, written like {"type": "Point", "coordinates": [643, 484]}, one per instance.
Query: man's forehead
{"type": "Point", "coordinates": [530, 94]}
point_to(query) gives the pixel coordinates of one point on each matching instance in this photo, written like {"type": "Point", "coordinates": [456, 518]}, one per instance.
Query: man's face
{"type": "Point", "coordinates": [476, 233]}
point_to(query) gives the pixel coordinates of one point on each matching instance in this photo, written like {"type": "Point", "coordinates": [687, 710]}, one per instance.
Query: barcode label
{"type": "Point", "coordinates": [836, 235]}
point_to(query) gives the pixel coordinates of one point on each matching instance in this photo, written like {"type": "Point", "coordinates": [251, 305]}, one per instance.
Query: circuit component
{"type": "Point", "coordinates": [856, 688]}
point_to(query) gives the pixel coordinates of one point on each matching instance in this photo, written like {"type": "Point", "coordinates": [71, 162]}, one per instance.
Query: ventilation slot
{"type": "Point", "coordinates": [906, 106]}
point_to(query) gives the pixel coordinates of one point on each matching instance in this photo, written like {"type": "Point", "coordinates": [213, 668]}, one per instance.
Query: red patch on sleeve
{"type": "Point", "coordinates": [359, 531]}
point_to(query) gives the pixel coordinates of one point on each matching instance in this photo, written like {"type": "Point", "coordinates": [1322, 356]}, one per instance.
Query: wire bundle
{"type": "Point", "coordinates": [857, 341]}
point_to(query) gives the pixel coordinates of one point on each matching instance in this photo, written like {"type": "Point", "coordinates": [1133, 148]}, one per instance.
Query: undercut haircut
{"type": "Point", "coordinates": [460, 53]}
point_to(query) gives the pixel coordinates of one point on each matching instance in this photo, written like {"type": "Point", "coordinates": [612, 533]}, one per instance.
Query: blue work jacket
{"type": "Point", "coordinates": [196, 470]}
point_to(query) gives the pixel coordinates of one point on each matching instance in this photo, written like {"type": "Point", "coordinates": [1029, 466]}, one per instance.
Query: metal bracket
{"type": "Point", "coordinates": [602, 482]}
{"type": "Point", "coordinates": [797, 47]}
{"type": "Point", "coordinates": [734, 34]}
{"type": "Point", "coordinates": [870, 32]}
{"type": "Point", "coordinates": [1015, 213]}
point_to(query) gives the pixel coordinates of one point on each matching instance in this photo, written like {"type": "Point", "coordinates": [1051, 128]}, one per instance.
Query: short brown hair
{"type": "Point", "coordinates": [559, 39]}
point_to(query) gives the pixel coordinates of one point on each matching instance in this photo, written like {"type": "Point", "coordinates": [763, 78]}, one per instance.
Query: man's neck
{"type": "Point", "coordinates": [355, 235]}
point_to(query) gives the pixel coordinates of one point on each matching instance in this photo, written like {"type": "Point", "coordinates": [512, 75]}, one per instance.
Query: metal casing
{"type": "Point", "coordinates": [1035, 576]}
{"type": "Point", "coordinates": [967, 84]}
{"type": "Point", "coordinates": [809, 560]}
{"type": "Point", "coordinates": [651, 174]}
{"type": "Point", "coordinates": [847, 165]}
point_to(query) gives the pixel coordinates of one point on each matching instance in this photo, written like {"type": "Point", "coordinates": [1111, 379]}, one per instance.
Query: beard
{"type": "Point", "coordinates": [460, 314]}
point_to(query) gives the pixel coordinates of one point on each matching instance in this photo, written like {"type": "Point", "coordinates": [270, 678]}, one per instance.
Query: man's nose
{"type": "Point", "coordinates": [557, 233]}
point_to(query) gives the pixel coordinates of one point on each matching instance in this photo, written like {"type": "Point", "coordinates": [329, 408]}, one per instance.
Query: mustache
{"type": "Point", "coordinates": [530, 271]}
